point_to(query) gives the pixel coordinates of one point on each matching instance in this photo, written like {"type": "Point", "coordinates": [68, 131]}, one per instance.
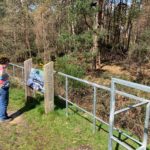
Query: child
{"type": "Point", "coordinates": [4, 90]}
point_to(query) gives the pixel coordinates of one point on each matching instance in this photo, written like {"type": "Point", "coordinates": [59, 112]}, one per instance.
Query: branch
{"type": "Point", "coordinates": [88, 23]}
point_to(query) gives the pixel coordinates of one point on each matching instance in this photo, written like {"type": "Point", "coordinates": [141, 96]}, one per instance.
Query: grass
{"type": "Point", "coordinates": [53, 131]}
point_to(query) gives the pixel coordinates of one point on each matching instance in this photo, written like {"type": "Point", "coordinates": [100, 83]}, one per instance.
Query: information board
{"type": "Point", "coordinates": [36, 80]}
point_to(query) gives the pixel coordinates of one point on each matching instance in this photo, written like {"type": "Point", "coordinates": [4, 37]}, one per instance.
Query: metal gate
{"type": "Point", "coordinates": [141, 101]}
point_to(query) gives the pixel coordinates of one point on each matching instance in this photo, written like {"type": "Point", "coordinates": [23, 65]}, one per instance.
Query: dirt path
{"type": "Point", "coordinates": [114, 69]}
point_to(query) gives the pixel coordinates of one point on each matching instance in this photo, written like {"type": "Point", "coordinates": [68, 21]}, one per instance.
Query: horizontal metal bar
{"type": "Point", "coordinates": [16, 65]}
{"type": "Point", "coordinates": [120, 131]}
{"type": "Point", "coordinates": [141, 148]}
{"type": "Point", "coordinates": [132, 96]}
{"type": "Point", "coordinates": [129, 107]}
{"type": "Point", "coordinates": [126, 135]}
{"type": "Point", "coordinates": [91, 114]}
{"type": "Point", "coordinates": [132, 85]}
{"type": "Point", "coordinates": [85, 81]}
{"type": "Point", "coordinates": [122, 143]}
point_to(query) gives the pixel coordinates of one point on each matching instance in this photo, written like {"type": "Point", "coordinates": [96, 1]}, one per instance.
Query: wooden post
{"type": "Point", "coordinates": [27, 70]}
{"type": "Point", "coordinates": [48, 87]}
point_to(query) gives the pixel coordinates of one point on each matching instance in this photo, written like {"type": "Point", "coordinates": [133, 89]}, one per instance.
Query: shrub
{"type": "Point", "coordinates": [67, 65]}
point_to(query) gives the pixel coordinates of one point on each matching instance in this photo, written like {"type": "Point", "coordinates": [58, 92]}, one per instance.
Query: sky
{"type": "Point", "coordinates": [124, 1]}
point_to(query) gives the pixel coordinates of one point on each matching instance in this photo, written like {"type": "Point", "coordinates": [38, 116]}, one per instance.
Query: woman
{"type": "Point", "coordinates": [4, 90]}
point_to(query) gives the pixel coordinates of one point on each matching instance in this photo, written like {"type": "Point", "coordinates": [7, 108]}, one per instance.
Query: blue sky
{"type": "Point", "coordinates": [124, 1]}
{"type": "Point", "coordinates": [129, 2]}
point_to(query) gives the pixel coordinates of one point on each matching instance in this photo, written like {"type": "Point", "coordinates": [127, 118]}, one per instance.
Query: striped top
{"type": "Point", "coordinates": [4, 82]}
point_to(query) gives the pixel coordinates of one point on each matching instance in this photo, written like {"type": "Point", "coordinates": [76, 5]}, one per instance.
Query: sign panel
{"type": "Point", "coordinates": [36, 80]}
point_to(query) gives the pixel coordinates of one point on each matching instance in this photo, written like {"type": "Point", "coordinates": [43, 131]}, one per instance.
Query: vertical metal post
{"type": "Point", "coordinates": [67, 96]}
{"type": "Point", "coordinates": [94, 109]}
{"type": "Point", "coordinates": [145, 136]}
{"type": "Point", "coordinates": [111, 117]}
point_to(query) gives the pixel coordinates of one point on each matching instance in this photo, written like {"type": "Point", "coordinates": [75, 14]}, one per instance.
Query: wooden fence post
{"type": "Point", "coordinates": [27, 70]}
{"type": "Point", "coordinates": [49, 87]}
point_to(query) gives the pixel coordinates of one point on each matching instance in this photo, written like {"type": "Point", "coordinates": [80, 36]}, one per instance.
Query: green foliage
{"type": "Point", "coordinates": [145, 37]}
{"type": "Point", "coordinates": [66, 65]}
{"type": "Point", "coordinates": [63, 64]}
{"type": "Point", "coordinates": [134, 12]}
{"type": "Point", "coordinates": [82, 41]}
{"type": "Point", "coordinates": [83, 7]}
{"type": "Point", "coordinates": [140, 52]}
{"type": "Point", "coordinates": [64, 38]}
{"type": "Point", "coordinates": [2, 9]}
{"type": "Point", "coordinates": [37, 60]}
{"type": "Point", "coordinates": [87, 55]}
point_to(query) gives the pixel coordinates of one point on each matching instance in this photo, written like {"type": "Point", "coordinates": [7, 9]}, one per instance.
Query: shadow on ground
{"type": "Point", "coordinates": [30, 104]}
{"type": "Point", "coordinates": [59, 103]}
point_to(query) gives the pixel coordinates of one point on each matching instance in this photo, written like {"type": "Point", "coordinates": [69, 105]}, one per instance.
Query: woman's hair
{"type": "Point", "coordinates": [4, 60]}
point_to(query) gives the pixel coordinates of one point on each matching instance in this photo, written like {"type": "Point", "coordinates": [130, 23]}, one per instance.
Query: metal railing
{"type": "Point", "coordinates": [16, 71]}
{"type": "Point", "coordinates": [113, 91]}
{"type": "Point", "coordinates": [113, 112]}
{"type": "Point", "coordinates": [95, 87]}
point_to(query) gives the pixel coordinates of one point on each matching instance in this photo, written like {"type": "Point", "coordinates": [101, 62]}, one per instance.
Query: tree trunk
{"type": "Point", "coordinates": [27, 41]}
{"type": "Point", "coordinates": [95, 49]}
{"type": "Point", "coordinates": [129, 34]}
{"type": "Point", "coordinates": [95, 43]}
